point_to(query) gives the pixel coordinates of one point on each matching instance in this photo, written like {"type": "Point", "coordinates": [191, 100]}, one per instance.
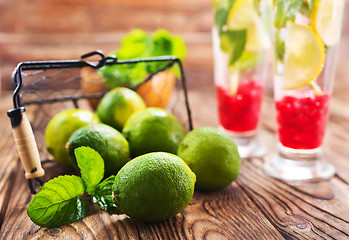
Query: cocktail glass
{"type": "Point", "coordinates": [241, 45]}
{"type": "Point", "coordinates": [306, 36]}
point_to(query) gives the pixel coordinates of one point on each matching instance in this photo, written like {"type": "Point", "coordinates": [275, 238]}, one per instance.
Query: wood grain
{"type": "Point", "coordinates": [211, 215]}
{"type": "Point", "coordinates": [253, 207]}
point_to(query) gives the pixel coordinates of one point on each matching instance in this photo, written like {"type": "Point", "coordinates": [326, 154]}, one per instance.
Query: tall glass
{"type": "Point", "coordinates": [241, 46]}
{"type": "Point", "coordinates": [306, 36]}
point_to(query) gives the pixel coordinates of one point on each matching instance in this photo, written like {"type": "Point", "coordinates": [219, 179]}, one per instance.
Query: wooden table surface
{"type": "Point", "coordinates": [255, 206]}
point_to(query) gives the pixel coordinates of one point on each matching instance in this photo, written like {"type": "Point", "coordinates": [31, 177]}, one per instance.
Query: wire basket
{"type": "Point", "coordinates": [47, 87]}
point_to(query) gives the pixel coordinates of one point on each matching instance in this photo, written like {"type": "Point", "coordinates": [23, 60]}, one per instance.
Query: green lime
{"type": "Point", "coordinates": [118, 105]}
{"type": "Point", "coordinates": [107, 141]}
{"type": "Point", "coordinates": [153, 187]}
{"type": "Point", "coordinates": [212, 155]}
{"type": "Point", "coordinates": [153, 130]}
{"type": "Point", "coordinates": [61, 126]}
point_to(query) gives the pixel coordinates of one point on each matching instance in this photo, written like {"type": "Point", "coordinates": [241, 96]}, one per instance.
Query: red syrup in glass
{"type": "Point", "coordinates": [302, 120]}
{"type": "Point", "coordinates": [240, 112]}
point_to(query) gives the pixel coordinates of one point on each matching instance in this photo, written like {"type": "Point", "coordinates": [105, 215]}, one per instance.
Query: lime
{"type": "Point", "coordinates": [326, 20]}
{"type": "Point", "coordinates": [212, 155]}
{"type": "Point", "coordinates": [153, 130]}
{"type": "Point", "coordinates": [61, 126]}
{"type": "Point", "coordinates": [153, 187]}
{"type": "Point", "coordinates": [304, 56]}
{"type": "Point", "coordinates": [118, 105]}
{"type": "Point", "coordinates": [107, 141]}
{"type": "Point", "coordinates": [244, 15]}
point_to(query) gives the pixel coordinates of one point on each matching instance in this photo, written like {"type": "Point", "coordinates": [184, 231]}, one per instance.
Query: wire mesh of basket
{"type": "Point", "coordinates": [44, 88]}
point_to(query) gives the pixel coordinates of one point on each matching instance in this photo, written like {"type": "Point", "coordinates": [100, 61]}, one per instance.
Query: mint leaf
{"type": "Point", "coordinates": [103, 196]}
{"type": "Point", "coordinates": [220, 18]}
{"type": "Point", "coordinates": [286, 11]}
{"type": "Point", "coordinates": [139, 44]}
{"type": "Point", "coordinates": [233, 42]}
{"type": "Point", "coordinates": [58, 202]}
{"type": "Point", "coordinates": [279, 47]}
{"type": "Point", "coordinates": [222, 9]}
{"type": "Point", "coordinates": [307, 8]}
{"type": "Point", "coordinates": [91, 167]}
{"type": "Point", "coordinates": [249, 60]}
{"type": "Point", "coordinates": [310, 4]}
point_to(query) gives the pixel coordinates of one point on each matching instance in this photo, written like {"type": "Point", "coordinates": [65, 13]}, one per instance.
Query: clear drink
{"type": "Point", "coordinates": [241, 44]}
{"type": "Point", "coordinates": [306, 36]}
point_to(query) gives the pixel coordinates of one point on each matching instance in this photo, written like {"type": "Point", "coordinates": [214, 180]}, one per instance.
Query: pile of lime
{"type": "Point", "coordinates": [107, 141]}
{"type": "Point", "coordinates": [154, 187]}
{"type": "Point", "coordinates": [153, 130]}
{"type": "Point", "coordinates": [118, 105]}
{"type": "Point", "coordinates": [156, 163]}
{"type": "Point", "coordinates": [213, 157]}
{"type": "Point", "coordinates": [61, 127]}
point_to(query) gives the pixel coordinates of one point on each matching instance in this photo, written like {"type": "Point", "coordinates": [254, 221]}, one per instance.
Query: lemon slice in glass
{"type": "Point", "coordinates": [304, 56]}
{"type": "Point", "coordinates": [243, 15]}
{"type": "Point", "coordinates": [326, 19]}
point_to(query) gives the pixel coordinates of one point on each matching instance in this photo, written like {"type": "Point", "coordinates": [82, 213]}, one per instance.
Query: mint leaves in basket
{"type": "Point", "coordinates": [139, 44]}
{"type": "Point", "coordinates": [60, 200]}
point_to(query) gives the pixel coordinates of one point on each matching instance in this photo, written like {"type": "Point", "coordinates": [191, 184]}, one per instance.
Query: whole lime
{"type": "Point", "coordinates": [212, 155]}
{"type": "Point", "coordinates": [60, 128]}
{"type": "Point", "coordinates": [153, 130]}
{"type": "Point", "coordinates": [107, 141]}
{"type": "Point", "coordinates": [118, 105]}
{"type": "Point", "coordinates": [153, 187]}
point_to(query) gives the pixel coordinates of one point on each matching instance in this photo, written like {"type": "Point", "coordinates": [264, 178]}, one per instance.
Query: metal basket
{"type": "Point", "coordinates": [46, 87]}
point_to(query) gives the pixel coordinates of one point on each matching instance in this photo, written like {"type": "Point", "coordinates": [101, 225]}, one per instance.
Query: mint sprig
{"type": "Point", "coordinates": [59, 200]}
{"type": "Point", "coordinates": [237, 41]}
{"type": "Point", "coordinates": [139, 44]}
{"type": "Point", "coordinates": [103, 197]}
{"type": "Point", "coordinates": [286, 11]}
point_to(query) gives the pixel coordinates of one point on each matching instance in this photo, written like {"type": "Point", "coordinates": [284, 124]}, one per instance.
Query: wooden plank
{"type": "Point", "coordinates": [225, 214]}
{"type": "Point", "coordinates": [296, 214]}
{"type": "Point", "coordinates": [302, 210]}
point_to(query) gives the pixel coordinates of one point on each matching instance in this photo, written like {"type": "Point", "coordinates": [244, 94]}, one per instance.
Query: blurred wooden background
{"type": "Point", "coordinates": [66, 29]}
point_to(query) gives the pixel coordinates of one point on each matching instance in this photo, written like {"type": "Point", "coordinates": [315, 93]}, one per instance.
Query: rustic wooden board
{"type": "Point", "coordinates": [225, 214]}
{"type": "Point", "coordinates": [253, 207]}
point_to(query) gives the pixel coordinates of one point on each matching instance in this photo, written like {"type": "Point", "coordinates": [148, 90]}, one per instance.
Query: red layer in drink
{"type": "Point", "coordinates": [302, 120]}
{"type": "Point", "coordinates": [240, 112]}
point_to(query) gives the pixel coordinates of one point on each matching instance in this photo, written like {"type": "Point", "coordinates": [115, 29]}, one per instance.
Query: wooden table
{"type": "Point", "coordinates": [255, 206]}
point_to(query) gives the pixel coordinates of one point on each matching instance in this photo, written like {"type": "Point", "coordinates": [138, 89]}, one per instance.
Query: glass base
{"type": "Point", "coordinates": [297, 165]}
{"type": "Point", "coordinates": [247, 144]}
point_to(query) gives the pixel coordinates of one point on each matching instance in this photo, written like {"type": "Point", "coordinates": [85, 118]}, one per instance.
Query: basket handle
{"type": "Point", "coordinates": [26, 144]}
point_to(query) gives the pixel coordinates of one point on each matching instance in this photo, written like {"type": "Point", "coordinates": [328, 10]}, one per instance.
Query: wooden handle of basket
{"type": "Point", "coordinates": [26, 144]}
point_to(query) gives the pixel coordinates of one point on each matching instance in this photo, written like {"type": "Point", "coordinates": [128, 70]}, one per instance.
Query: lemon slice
{"type": "Point", "coordinates": [326, 19]}
{"type": "Point", "coordinates": [243, 15]}
{"type": "Point", "coordinates": [304, 56]}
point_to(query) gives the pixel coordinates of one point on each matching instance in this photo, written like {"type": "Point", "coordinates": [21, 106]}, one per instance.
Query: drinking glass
{"type": "Point", "coordinates": [306, 36]}
{"type": "Point", "coordinates": [241, 46]}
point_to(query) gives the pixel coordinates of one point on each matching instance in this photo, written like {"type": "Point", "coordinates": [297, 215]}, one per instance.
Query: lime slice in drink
{"type": "Point", "coordinates": [243, 15]}
{"type": "Point", "coordinates": [326, 20]}
{"type": "Point", "coordinates": [304, 56]}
